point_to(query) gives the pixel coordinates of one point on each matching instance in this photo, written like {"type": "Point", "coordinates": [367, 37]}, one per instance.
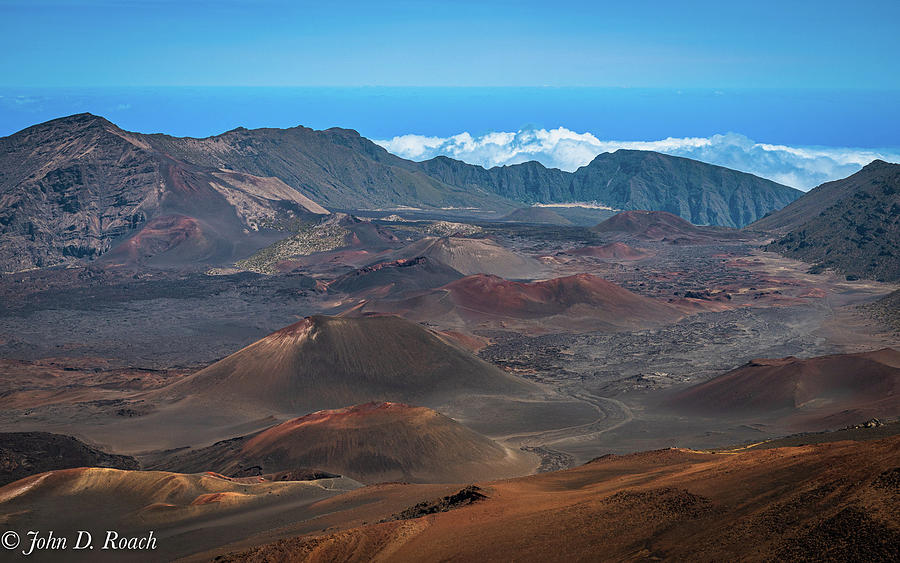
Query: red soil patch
{"type": "Point", "coordinates": [338, 417]}
{"type": "Point", "coordinates": [159, 235]}
{"type": "Point", "coordinates": [494, 295]}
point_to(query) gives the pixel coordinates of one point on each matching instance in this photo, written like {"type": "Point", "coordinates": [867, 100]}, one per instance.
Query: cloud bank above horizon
{"type": "Point", "coordinates": [799, 167]}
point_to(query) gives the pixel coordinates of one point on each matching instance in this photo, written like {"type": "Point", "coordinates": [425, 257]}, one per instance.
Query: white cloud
{"type": "Point", "coordinates": [800, 167]}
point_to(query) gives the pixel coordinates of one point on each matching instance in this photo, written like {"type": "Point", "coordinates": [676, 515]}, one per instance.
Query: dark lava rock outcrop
{"type": "Point", "coordinates": [27, 453]}
{"type": "Point", "coordinates": [850, 225]}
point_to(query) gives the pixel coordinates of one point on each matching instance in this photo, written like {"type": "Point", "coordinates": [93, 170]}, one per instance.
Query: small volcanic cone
{"type": "Point", "coordinates": [647, 223]}
{"type": "Point", "coordinates": [612, 251]}
{"type": "Point", "coordinates": [864, 385]}
{"type": "Point", "coordinates": [326, 362]}
{"type": "Point", "coordinates": [579, 302]}
{"type": "Point", "coordinates": [397, 276]}
{"type": "Point", "coordinates": [473, 256]}
{"type": "Point", "coordinates": [661, 225]}
{"type": "Point", "coordinates": [494, 295]}
{"type": "Point", "coordinates": [371, 443]}
{"type": "Point", "coordinates": [536, 216]}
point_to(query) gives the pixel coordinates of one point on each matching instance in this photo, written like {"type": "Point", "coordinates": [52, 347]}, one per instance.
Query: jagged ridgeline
{"type": "Point", "coordinates": [80, 187]}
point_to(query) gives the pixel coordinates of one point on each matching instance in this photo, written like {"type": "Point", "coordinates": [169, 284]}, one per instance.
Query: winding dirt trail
{"type": "Point", "coordinates": [613, 414]}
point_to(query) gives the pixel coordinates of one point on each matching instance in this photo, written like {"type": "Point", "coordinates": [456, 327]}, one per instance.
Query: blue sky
{"type": "Point", "coordinates": [797, 91]}
{"type": "Point", "coordinates": [783, 44]}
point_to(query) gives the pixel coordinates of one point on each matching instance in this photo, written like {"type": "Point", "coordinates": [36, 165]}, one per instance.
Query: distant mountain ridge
{"type": "Point", "coordinates": [77, 186]}
{"type": "Point", "coordinates": [341, 169]}
{"type": "Point", "coordinates": [704, 194]}
{"type": "Point", "coordinates": [336, 167]}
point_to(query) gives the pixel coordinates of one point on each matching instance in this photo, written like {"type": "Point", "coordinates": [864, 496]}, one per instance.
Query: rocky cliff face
{"type": "Point", "coordinates": [701, 193]}
{"type": "Point", "coordinates": [64, 194]}
{"type": "Point", "coordinates": [29, 453]}
{"type": "Point", "coordinates": [75, 187]}
{"type": "Point", "coordinates": [852, 225]}
{"type": "Point", "coordinates": [529, 182]}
